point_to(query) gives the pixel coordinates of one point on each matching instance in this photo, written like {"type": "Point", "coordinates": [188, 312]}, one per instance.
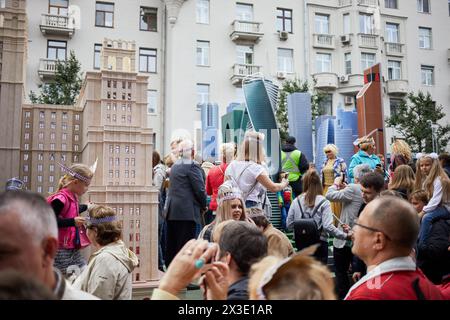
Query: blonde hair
{"type": "Point", "coordinates": [300, 278]}
{"type": "Point", "coordinates": [218, 230]}
{"type": "Point", "coordinates": [107, 232]}
{"type": "Point", "coordinates": [403, 178]}
{"type": "Point", "coordinates": [79, 168]}
{"type": "Point", "coordinates": [426, 182]}
{"type": "Point", "coordinates": [334, 150]}
{"type": "Point", "coordinates": [252, 148]}
{"type": "Point", "coordinates": [400, 147]}
{"type": "Point", "coordinates": [312, 187]}
{"type": "Point", "coordinates": [227, 152]}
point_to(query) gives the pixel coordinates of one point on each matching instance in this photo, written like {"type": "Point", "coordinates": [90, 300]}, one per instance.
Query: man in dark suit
{"type": "Point", "coordinates": [186, 201]}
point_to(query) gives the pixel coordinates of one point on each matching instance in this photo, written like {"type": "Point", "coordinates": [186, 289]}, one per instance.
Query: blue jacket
{"type": "Point", "coordinates": [361, 157]}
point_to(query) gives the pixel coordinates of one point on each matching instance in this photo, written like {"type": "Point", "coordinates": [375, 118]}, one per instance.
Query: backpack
{"type": "Point", "coordinates": [306, 230]}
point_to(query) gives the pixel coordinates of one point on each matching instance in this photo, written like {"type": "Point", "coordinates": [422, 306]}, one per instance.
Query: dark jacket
{"type": "Point", "coordinates": [433, 256]}
{"type": "Point", "coordinates": [187, 192]}
{"type": "Point", "coordinates": [303, 166]}
{"type": "Point", "coordinates": [447, 170]}
{"type": "Point", "coordinates": [238, 290]}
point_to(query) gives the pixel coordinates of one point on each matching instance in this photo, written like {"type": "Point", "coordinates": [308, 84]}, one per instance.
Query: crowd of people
{"type": "Point", "coordinates": [388, 228]}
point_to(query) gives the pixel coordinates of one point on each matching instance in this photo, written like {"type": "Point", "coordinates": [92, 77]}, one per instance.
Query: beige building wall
{"type": "Point", "coordinates": [13, 52]}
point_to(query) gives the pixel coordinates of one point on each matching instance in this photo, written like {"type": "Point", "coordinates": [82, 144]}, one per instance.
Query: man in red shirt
{"type": "Point", "coordinates": [384, 236]}
{"type": "Point", "coordinates": [216, 174]}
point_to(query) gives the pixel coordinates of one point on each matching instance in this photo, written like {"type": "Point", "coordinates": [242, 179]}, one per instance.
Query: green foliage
{"type": "Point", "coordinates": [292, 86]}
{"type": "Point", "coordinates": [412, 120]}
{"type": "Point", "coordinates": [65, 87]}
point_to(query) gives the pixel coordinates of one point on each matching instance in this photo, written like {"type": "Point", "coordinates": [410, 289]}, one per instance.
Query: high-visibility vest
{"type": "Point", "coordinates": [290, 162]}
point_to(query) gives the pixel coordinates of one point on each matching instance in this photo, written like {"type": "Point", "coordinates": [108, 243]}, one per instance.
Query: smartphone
{"type": "Point", "coordinates": [343, 177]}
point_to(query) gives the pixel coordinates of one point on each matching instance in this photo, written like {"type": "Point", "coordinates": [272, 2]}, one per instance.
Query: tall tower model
{"type": "Point", "coordinates": [13, 39]}
{"type": "Point", "coordinates": [114, 103]}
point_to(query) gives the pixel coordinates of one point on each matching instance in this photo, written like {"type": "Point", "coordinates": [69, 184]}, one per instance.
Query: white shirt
{"type": "Point", "coordinates": [247, 179]}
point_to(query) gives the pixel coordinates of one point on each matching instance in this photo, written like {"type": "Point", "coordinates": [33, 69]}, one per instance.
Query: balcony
{"type": "Point", "coordinates": [351, 84]}
{"type": "Point", "coordinates": [368, 40]}
{"type": "Point", "coordinates": [368, 3]}
{"type": "Point", "coordinates": [326, 80]}
{"type": "Point", "coordinates": [246, 30]}
{"type": "Point", "coordinates": [240, 71]}
{"type": "Point", "coordinates": [397, 87]}
{"type": "Point", "coordinates": [47, 68]}
{"type": "Point", "coordinates": [57, 25]}
{"type": "Point", "coordinates": [395, 49]}
{"type": "Point", "coordinates": [345, 3]}
{"type": "Point", "coordinates": [324, 41]}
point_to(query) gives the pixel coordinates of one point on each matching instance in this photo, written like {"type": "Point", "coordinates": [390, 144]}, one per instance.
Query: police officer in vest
{"type": "Point", "coordinates": [295, 163]}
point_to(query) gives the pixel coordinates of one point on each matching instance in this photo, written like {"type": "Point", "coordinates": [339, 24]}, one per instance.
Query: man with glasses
{"type": "Point", "coordinates": [384, 237]}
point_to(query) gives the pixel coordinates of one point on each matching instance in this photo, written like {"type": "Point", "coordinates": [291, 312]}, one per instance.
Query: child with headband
{"type": "Point", "coordinates": [71, 231]}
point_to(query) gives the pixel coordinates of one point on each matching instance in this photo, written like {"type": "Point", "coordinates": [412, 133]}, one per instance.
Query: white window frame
{"type": "Point", "coordinates": [244, 54]}
{"type": "Point", "coordinates": [365, 62]}
{"type": "Point", "coordinates": [421, 5]}
{"type": "Point", "coordinates": [427, 75]}
{"type": "Point", "coordinates": [394, 70]}
{"type": "Point", "coordinates": [203, 53]}
{"type": "Point", "coordinates": [392, 32]}
{"type": "Point", "coordinates": [425, 38]}
{"type": "Point", "coordinates": [366, 23]}
{"type": "Point", "coordinates": [322, 23]}
{"type": "Point", "coordinates": [286, 60]}
{"type": "Point", "coordinates": [244, 11]}
{"type": "Point", "coordinates": [202, 11]}
{"type": "Point", "coordinates": [348, 63]}
{"type": "Point", "coordinates": [346, 23]}
{"type": "Point", "coordinates": [203, 93]}
{"type": "Point", "coordinates": [323, 62]}
{"type": "Point", "coordinates": [152, 101]}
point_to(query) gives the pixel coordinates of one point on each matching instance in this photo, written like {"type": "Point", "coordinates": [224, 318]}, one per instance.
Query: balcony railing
{"type": "Point", "coordinates": [344, 3]}
{"type": "Point", "coordinates": [240, 71]}
{"type": "Point", "coordinates": [324, 41]}
{"type": "Point", "coordinates": [325, 80]}
{"type": "Point", "coordinates": [368, 40]}
{"type": "Point", "coordinates": [47, 68]}
{"type": "Point", "coordinates": [246, 30]}
{"type": "Point", "coordinates": [370, 3]}
{"type": "Point", "coordinates": [394, 49]}
{"type": "Point", "coordinates": [57, 24]}
{"type": "Point", "coordinates": [397, 87]}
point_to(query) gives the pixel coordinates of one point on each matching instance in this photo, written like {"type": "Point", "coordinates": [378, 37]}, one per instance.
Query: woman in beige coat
{"type": "Point", "coordinates": [108, 274]}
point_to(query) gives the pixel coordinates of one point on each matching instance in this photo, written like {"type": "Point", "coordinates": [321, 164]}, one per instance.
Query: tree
{"type": "Point", "coordinates": [292, 86]}
{"type": "Point", "coordinates": [413, 119]}
{"type": "Point", "coordinates": [65, 87]}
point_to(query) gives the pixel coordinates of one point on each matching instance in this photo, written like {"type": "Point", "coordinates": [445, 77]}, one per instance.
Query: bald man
{"type": "Point", "coordinates": [384, 236]}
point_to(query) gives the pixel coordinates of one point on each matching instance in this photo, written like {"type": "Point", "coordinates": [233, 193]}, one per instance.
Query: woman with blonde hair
{"type": "Point", "coordinates": [332, 168]}
{"type": "Point", "coordinates": [365, 155]}
{"type": "Point", "coordinates": [249, 173]}
{"type": "Point", "coordinates": [403, 181]}
{"type": "Point", "coordinates": [401, 154]}
{"type": "Point", "coordinates": [65, 203]}
{"type": "Point", "coordinates": [230, 207]}
{"type": "Point", "coordinates": [299, 277]}
{"type": "Point", "coordinates": [108, 274]}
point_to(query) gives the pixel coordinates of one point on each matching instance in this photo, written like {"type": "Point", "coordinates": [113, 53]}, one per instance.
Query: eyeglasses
{"type": "Point", "coordinates": [328, 151]}
{"type": "Point", "coordinates": [370, 229]}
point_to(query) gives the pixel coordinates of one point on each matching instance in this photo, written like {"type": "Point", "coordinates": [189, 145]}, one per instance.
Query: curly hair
{"type": "Point", "coordinates": [400, 147]}
{"type": "Point", "coordinates": [107, 232]}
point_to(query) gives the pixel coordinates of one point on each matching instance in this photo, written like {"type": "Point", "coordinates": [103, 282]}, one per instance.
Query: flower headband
{"type": "Point", "coordinates": [97, 221]}
{"type": "Point", "coordinates": [74, 174]}
{"type": "Point", "coordinates": [432, 155]}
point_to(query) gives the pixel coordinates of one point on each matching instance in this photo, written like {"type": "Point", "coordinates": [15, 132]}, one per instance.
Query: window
{"type": "Point", "coordinates": [244, 54]}
{"type": "Point", "coordinates": [51, 189]}
{"type": "Point", "coordinates": [127, 149]}
{"type": "Point", "coordinates": [40, 156]}
{"type": "Point", "coordinates": [127, 173]}
{"type": "Point", "coordinates": [28, 114]}
{"type": "Point", "coordinates": [322, 24]}
{"type": "Point", "coordinates": [52, 157]}
{"type": "Point", "coordinates": [284, 20]}
{"type": "Point", "coordinates": [63, 157]}
{"type": "Point", "coordinates": [133, 173]}
{"type": "Point", "coordinates": [40, 146]}
{"type": "Point", "coordinates": [75, 147]}
{"type": "Point", "coordinates": [138, 211]}
{"type": "Point", "coordinates": [77, 127]}
{"type": "Point", "coordinates": [52, 146]}
{"type": "Point", "coordinates": [64, 136]}
{"type": "Point", "coordinates": [41, 124]}
{"type": "Point", "coordinates": [25, 168]}
{"type": "Point", "coordinates": [346, 23]}
{"type": "Point", "coordinates": [39, 178]}
{"type": "Point", "coordinates": [117, 148]}
{"type": "Point", "coordinates": [138, 225]}
{"type": "Point", "coordinates": [25, 179]}
{"type": "Point", "coordinates": [111, 173]}
{"type": "Point", "coordinates": [394, 70]}
{"type": "Point", "coordinates": [64, 126]}
{"type": "Point", "coordinates": [77, 117]}
{"type": "Point", "coordinates": [27, 125]}
{"type": "Point", "coordinates": [104, 14]}
{"type": "Point", "coordinates": [41, 114]}
{"type": "Point", "coordinates": [2, 4]}
{"type": "Point", "coordinates": [133, 162]}
{"type": "Point", "coordinates": [366, 23]}
{"type": "Point", "coordinates": [202, 94]}
{"type": "Point", "coordinates": [127, 162]}
{"type": "Point", "coordinates": [52, 135]}
{"type": "Point", "coordinates": [202, 11]}
{"type": "Point", "coordinates": [392, 33]}
{"type": "Point", "coordinates": [244, 12]}
{"type": "Point", "coordinates": [97, 50]}
{"type": "Point", "coordinates": [286, 60]}
{"type": "Point", "coordinates": [64, 115]}
{"type": "Point", "coordinates": [58, 7]}
{"type": "Point", "coordinates": [427, 75]}
{"type": "Point", "coordinates": [117, 173]}
{"type": "Point", "coordinates": [117, 161]}
{"type": "Point", "coordinates": [25, 156]}
{"type": "Point", "coordinates": [52, 125]}
{"type": "Point", "coordinates": [123, 118]}
{"type": "Point", "coordinates": [138, 236]}
{"type": "Point", "coordinates": [392, 4]}
{"type": "Point", "coordinates": [149, 19]}
{"type": "Point", "coordinates": [367, 60]}
{"type": "Point", "coordinates": [147, 60]}
{"type": "Point", "coordinates": [202, 53]}
{"type": "Point", "coordinates": [27, 136]}
{"type": "Point", "coordinates": [39, 167]}
{"type": "Point", "coordinates": [151, 101]}
{"type": "Point", "coordinates": [53, 115]}
{"type": "Point", "coordinates": [423, 6]}
{"type": "Point", "coordinates": [424, 38]}
{"type": "Point", "coordinates": [323, 62]}
{"type": "Point", "coordinates": [39, 189]}
{"type": "Point", "coordinates": [326, 105]}
{"type": "Point", "coordinates": [56, 50]}
{"type": "Point", "coordinates": [51, 168]}
{"type": "Point", "coordinates": [393, 104]}
{"type": "Point", "coordinates": [133, 149]}
{"type": "Point", "coordinates": [348, 63]}
{"type": "Point", "coordinates": [75, 158]}
{"type": "Point", "coordinates": [51, 179]}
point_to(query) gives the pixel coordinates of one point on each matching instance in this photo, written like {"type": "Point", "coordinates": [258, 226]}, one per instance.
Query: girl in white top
{"type": "Point", "coordinates": [432, 178]}
{"type": "Point", "coordinates": [249, 173]}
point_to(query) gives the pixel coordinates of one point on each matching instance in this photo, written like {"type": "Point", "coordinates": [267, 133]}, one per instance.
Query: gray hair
{"type": "Point", "coordinates": [185, 149]}
{"type": "Point", "coordinates": [361, 170]}
{"type": "Point", "coordinates": [35, 216]}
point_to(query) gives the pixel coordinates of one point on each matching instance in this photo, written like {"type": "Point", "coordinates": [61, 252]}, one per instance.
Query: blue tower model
{"type": "Point", "coordinates": [300, 122]}
{"type": "Point", "coordinates": [210, 127]}
{"type": "Point", "coordinates": [325, 132]}
{"type": "Point", "coordinates": [346, 132]}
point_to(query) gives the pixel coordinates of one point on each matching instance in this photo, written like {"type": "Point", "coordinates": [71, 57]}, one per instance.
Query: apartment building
{"type": "Point", "coordinates": [55, 27]}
